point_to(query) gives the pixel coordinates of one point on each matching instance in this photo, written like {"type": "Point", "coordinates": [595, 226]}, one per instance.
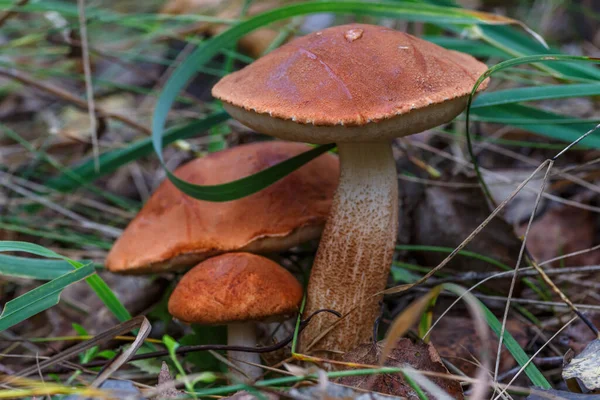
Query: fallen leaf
{"type": "Point", "coordinates": [165, 387]}
{"type": "Point", "coordinates": [420, 356]}
{"type": "Point", "coordinates": [521, 207]}
{"type": "Point", "coordinates": [457, 341]}
{"type": "Point", "coordinates": [578, 334]}
{"type": "Point", "coordinates": [583, 371]}
{"type": "Point", "coordinates": [553, 235]}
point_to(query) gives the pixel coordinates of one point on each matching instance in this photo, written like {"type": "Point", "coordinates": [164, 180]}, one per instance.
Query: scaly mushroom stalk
{"type": "Point", "coordinates": [356, 249]}
{"type": "Point", "coordinates": [243, 334]}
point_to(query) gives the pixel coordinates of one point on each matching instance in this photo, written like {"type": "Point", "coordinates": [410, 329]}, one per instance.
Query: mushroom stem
{"type": "Point", "coordinates": [356, 250]}
{"type": "Point", "coordinates": [243, 334]}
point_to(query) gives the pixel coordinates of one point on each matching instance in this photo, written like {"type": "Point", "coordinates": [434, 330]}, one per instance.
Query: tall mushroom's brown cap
{"type": "Point", "coordinates": [354, 82]}
{"type": "Point", "coordinates": [173, 230]}
{"type": "Point", "coordinates": [235, 287]}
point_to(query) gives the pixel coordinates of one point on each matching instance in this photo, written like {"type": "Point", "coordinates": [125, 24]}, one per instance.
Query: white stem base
{"type": "Point", "coordinates": [356, 249]}
{"type": "Point", "coordinates": [243, 334]}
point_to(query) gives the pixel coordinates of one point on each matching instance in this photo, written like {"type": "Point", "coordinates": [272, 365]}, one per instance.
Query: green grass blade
{"type": "Point", "coordinates": [207, 50]}
{"type": "Point", "coordinates": [32, 248]}
{"type": "Point", "coordinates": [249, 185]}
{"type": "Point", "coordinates": [85, 172]}
{"type": "Point", "coordinates": [96, 283]}
{"type": "Point", "coordinates": [108, 297]}
{"type": "Point", "coordinates": [40, 298]}
{"type": "Point", "coordinates": [534, 93]}
{"type": "Point", "coordinates": [518, 44]}
{"type": "Point", "coordinates": [476, 48]}
{"type": "Point", "coordinates": [34, 268]}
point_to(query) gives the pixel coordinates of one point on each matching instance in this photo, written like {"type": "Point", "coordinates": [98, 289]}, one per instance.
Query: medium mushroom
{"type": "Point", "coordinates": [237, 289]}
{"type": "Point", "coordinates": [359, 86]}
{"type": "Point", "coordinates": [174, 231]}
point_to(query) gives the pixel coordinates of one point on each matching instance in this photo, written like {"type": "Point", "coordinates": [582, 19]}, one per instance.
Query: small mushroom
{"type": "Point", "coordinates": [359, 86]}
{"type": "Point", "coordinates": [237, 289]}
{"type": "Point", "coordinates": [174, 231]}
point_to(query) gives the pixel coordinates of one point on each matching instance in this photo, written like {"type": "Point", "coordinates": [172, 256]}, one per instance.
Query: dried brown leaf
{"type": "Point", "coordinates": [583, 370]}
{"type": "Point", "coordinates": [456, 339]}
{"type": "Point", "coordinates": [420, 356]}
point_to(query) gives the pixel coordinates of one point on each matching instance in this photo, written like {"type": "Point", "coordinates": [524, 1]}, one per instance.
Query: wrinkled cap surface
{"type": "Point", "coordinates": [235, 287]}
{"type": "Point", "coordinates": [174, 231]}
{"type": "Point", "coordinates": [353, 76]}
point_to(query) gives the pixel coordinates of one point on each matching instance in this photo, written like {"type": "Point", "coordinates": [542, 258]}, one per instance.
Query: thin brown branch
{"type": "Point", "coordinates": [64, 95]}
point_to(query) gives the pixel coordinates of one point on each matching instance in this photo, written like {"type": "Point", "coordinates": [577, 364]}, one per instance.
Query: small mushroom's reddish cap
{"type": "Point", "coordinates": [235, 287]}
{"type": "Point", "coordinates": [350, 83]}
{"type": "Point", "coordinates": [174, 231]}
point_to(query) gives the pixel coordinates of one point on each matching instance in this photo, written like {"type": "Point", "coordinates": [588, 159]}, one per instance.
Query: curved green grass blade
{"type": "Point", "coordinates": [40, 298]}
{"type": "Point", "coordinates": [108, 162]}
{"type": "Point", "coordinates": [32, 248]}
{"type": "Point", "coordinates": [534, 59]}
{"type": "Point", "coordinates": [207, 50]}
{"type": "Point", "coordinates": [518, 44]}
{"type": "Point", "coordinates": [249, 185]}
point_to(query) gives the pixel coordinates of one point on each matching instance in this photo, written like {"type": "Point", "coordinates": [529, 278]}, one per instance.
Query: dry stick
{"type": "Point", "coordinates": [67, 96]}
{"type": "Point", "coordinates": [89, 88]}
{"type": "Point", "coordinates": [85, 223]}
{"type": "Point", "coordinates": [523, 272]}
{"type": "Point", "coordinates": [528, 160]}
{"type": "Point", "coordinates": [207, 347]}
{"type": "Point", "coordinates": [402, 288]}
{"type": "Point", "coordinates": [533, 356]}
{"type": "Point", "coordinates": [575, 253]}
{"type": "Point", "coordinates": [457, 160]}
{"type": "Point", "coordinates": [517, 266]}
{"type": "Point", "coordinates": [544, 276]}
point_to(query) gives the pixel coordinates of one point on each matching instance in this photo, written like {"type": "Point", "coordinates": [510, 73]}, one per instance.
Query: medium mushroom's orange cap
{"type": "Point", "coordinates": [235, 287]}
{"type": "Point", "coordinates": [174, 231]}
{"type": "Point", "coordinates": [351, 75]}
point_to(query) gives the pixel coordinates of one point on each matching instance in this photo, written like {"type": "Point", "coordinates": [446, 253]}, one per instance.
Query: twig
{"type": "Point", "coordinates": [207, 347]}
{"type": "Point", "coordinates": [67, 96]}
{"type": "Point", "coordinates": [517, 266]}
{"type": "Point", "coordinates": [528, 271]}
{"type": "Point", "coordinates": [575, 253]}
{"type": "Point", "coordinates": [85, 223]}
{"type": "Point", "coordinates": [533, 356]}
{"type": "Point", "coordinates": [89, 88]}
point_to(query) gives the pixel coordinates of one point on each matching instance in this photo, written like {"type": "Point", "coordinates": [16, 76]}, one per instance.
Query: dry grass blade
{"type": "Point", "coordinates": [405, 320]}
{"type": "Point", "coordinates": [89, 87]}
{"type": "Point", "coordinates": [68, 97]}
{"type": "Point", "coordinates": [78, 348]}
{"type": "Point", "coordinates": [503, 392]}
{"type": "Point", "coordinates": [122, 358]}
{"type": "Point", "coordinates": [517, 266]}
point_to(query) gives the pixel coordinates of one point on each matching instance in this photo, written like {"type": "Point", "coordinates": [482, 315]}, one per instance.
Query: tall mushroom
{"type": "Point", "coordinates": [237, 289]}
{"type": "Point", "coordinates": [174, 231]}
{"type": "Point", "coordinates": [359, 86]}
